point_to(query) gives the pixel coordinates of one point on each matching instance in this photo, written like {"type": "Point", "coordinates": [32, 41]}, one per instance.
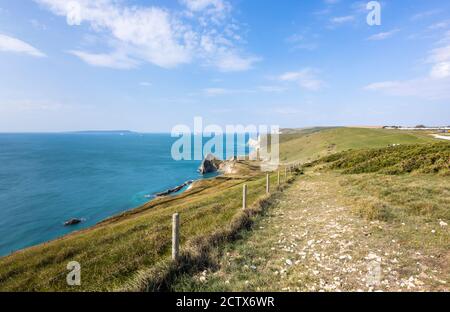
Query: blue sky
{"type": "Point", "coordinates": [150, 65]}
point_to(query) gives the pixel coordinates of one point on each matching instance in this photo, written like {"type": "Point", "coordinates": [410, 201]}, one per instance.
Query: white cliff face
{"type": "Point", "coordinates": [228, 167]}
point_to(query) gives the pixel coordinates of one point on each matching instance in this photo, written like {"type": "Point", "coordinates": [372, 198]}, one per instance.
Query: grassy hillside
{"type": "Point", "coordinates": [306, 145]}
{"type": "Point", "coordinates": [325, 232]}
{"type": "Point", "coordinates": [114, 252]}
{"type": "Point", "coordinates": [129, 250]}
{"type": "Point", "coordinates": [422, 158]}
{"type": "Point", "coordinates": [390, 205]}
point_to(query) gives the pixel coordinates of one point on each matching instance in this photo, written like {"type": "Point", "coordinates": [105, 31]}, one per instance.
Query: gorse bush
{"type": "Point", "coordinates": [421, 158]}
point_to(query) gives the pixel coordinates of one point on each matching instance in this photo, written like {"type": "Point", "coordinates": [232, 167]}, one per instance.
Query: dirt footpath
{"type": "Point", "coordinates": [311, 241]}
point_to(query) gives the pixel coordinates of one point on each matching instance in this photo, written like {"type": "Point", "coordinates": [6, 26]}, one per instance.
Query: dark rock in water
{"type": "Point", "coordinates": [209, 164]}
{"type": "Point", "coordinates": [174, 190]}
{"type": "Point", "coordinates": [72, 222]}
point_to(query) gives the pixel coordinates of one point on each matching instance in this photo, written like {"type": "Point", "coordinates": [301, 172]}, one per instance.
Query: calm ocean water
{"type": "Point", "coordinates": [46, 179]}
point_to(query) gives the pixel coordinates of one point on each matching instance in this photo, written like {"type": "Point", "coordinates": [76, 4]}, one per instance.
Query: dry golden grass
{"type": "Point", "coordinates": [117, 251]}
{"type": "Point", "coordinates": [312, 239]}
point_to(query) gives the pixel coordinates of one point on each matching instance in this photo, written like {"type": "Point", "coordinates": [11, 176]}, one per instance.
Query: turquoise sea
{"type": "Point", "coordinates": [46, 179]}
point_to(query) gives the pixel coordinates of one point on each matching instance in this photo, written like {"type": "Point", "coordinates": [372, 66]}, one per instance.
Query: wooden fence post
{"type": "Point", "coordinates": [278, 177]}
{"type": "Point", "coordinates": [175, 236]}
{"type": "Point", "coordinates": [244, 197]}
{"type": "Point", "coordinates": [268, 183]}
{"type": "Point", "coordinates": [285, 174]}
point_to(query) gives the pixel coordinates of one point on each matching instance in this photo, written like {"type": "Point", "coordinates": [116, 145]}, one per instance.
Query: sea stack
{"type": "Point", "coordinates": [210, 164]}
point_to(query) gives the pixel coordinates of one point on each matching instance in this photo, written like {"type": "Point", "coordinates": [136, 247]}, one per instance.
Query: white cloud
{"type": "Point", "coordinates": [305, 78]}
{"type": "Point", "coordinates": [426, 88]}
{"type": "Point", "coordinates": [216, 91]}
{"type": "Point", "coordinates": [440, 60]}
{"type": "Point", "coordinates": [303, 41]}
{"type": "Point", "coordinates": [230, 61]}
{"type": "Point", "coordinates": [425, 14]}
{"type": "Point", "coordinates": [360, 7]}
{"type": "Point", "coordinates": [213, 92]}
{"type": "Point", "coordinates": [440, 25]}
{"type": "Point", "coordinates": [10, 44]}
{"type": "Point", "coordinates": [287, 110]}
{"type": "Point", "coordinates": [114, 60]}
{"type": "Point", "coordinates": [439, 55]}
{"type": "Point", "coordinates": [272, 89]}
{"type": "Point", "coordinates": [145, 84]}
{"type": "Point", "coordinates": [202, 5]}
{"type": "Point", "coordinates": [434, 86]}
{"type": "Point", "coordinates": [37, 24]}
{"type": "Point", "coordinates": [383, 35]}
{"type": "Point", "coordinates": [440, 70]}
{"type": "Point", "coordinates": [150, 34]}
{"type": "Point", "coordinates": [219, 51]}
{"type": "Point", "coordinates": [343, 19]}
{"type": "Point", "coordinates": [291, 76]}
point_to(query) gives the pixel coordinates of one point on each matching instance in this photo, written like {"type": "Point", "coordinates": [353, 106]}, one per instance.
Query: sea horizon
{"type": "Point", "coordinates": [49, 178]}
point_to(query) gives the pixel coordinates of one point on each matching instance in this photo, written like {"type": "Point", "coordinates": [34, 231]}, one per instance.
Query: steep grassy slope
{"type": "Point", "coordinates": [371, 219]}
{"type": "Point", "coordinates": [422, 158]}
{"type": "Point", "coordinates": [339, 232]}
{"type": "Point", "coordinates": [114, 251]}
{"type": "Point", "coordinates": [306, 145]}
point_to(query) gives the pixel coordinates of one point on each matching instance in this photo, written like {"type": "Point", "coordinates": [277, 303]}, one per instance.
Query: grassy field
{"type": "Point", "coordinates": [416, 158]}
{"type": "Point", "coordinates": [349, 214]}
{"type": "Point", "coordinates": [308, 145]}
{"type": "Point", "coordinates": [330, 231]}
{"type": "Point", "coordinates": [118, 250]}
{"type": "Point", "coordinates": [131, 251]}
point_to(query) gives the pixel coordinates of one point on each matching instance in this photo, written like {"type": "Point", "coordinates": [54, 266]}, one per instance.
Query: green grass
{"type": "Point", "coordinates": [401, 194]}
{"type": "Point", "coordinates": [396, 183]}
{"type": "Point", "coordinates": [393, 198]}
{"type": "Point", "coordinates": [419, 158]}
{"type": "Point", "coordinates": [406, 230]}
{"type": "Point", "coordinates": [307, 145]}
{"type": "Point", "coordinates": [113, 253]}
{"type": "Point", "coordinates": [132, 250]}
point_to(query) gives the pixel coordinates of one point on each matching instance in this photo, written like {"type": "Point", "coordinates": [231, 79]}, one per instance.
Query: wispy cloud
{"type": "Point", "coordinates": [14, 45]}
{"type": "Point", "coordinates": [425, 14]}
{"type": "Point", "coordinates": [342, 19]}
{"type": "Point", "coordinates": [229, 61]}
{"type": "Point", "coordinates": [303, 41]}
{"type": "Point", "coordinates": [211, 6]}
{"type": "Point", "coordinates": [203, 30]}
{"type": "Point", "coordinates": [425, 88]}
{"type": "Point", "coordinates": [383, 35]}
{"type": "Point", "coordinates": [272, 88]}
{"type": "Point", "coordinates": [215, 92]}
{"type": "Point", "coordinates": [440, 25]}
{"type": "Point", "coordinates": [287, 110]}
{"type": "Point", "coordinates": [306, 79]}
{"type": "Point", "coordinates": [37, 24]}
{"type": "Point", "coordinates": [113, 60]}
{"type": "Point", "coordinates": [434, 86]}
